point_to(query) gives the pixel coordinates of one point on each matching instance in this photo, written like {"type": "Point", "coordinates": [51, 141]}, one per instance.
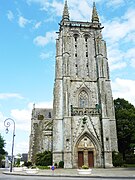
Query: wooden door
{"type": "Point", "coordinates": [91, 159]}
{"type": "Point", "coordinates": [80, 159]}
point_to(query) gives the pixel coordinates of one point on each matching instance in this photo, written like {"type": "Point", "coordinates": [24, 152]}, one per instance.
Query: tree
{"type": "Point", "coordinates": [18, 156]}
{"type": "Point", "coordinates": [2, 151]}
{"type": "Point", "coordinates": [125, 120]}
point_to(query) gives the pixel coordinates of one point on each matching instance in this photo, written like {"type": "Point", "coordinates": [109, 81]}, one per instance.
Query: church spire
{"type": "Point", "coordinates": [65, 12]}
{"type": "Point", "coordinates": [95, 18]}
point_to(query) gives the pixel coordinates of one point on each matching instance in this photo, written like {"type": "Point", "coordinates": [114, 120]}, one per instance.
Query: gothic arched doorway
{"type": "Point", "coordinates": [86, 152]}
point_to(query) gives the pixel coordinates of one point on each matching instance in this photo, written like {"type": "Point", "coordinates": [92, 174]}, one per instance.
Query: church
{"type": "Point", "coordinates": [81, 127]}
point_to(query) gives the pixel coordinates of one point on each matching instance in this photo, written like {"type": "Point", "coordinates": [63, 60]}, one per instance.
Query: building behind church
{"type": "Point", "coordinates": [81, 127]}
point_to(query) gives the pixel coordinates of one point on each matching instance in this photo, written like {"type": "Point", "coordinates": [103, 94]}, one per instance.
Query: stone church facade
{"type": "Point", "coordinates": [81, 128]}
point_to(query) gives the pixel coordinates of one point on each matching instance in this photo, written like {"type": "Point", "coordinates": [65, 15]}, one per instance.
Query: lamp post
{"type": "Point", "coordinates": [7, 125]}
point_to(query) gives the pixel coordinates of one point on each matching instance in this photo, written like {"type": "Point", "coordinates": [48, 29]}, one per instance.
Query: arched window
{"type": "Point", "coordinates": [76, 37]}
{"type": "Point", "coordinates": [83, 99]}
{"type": "Point", "coordinates": [49, 115]}
{"type": "Point", "coordinates": [86, 36]}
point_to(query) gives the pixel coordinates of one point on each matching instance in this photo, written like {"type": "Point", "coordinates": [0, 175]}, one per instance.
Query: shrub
{"type": "Point", "coordinates": [33, 167]}
{"type": "Point", "coordinates": [43, 159]}
{"type": "Point", "coordinates": [117, 159]}
{"type": "Point", "coordinates": [55, 164]}
{"type": "Point", "coordinates": [130, 159]}
{"type": "Point", "coordinates": [43, 167]}
{"type": "Point", "coordinates": [61, 164]}
{"type": "Point", "coordinates": [28, 164]}
{"type": "Point", "coordinates": [85, 167]}
{"type": "Point", "coordinates": [17, 163]}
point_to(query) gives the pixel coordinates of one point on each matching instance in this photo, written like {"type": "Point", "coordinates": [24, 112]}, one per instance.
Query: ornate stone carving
{"type": "Point", "coordinates": [84, 111]}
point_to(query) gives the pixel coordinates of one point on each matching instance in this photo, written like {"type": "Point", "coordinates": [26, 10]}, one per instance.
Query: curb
{"type": "Point", "coordinates": [72, 176]}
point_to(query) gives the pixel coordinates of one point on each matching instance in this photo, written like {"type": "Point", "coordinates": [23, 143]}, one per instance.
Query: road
{"type": "Point", "coordinates": [11, 177]}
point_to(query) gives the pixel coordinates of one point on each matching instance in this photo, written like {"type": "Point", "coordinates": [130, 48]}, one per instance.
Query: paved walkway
{"type": "Point", "coordinates": [127, 173]}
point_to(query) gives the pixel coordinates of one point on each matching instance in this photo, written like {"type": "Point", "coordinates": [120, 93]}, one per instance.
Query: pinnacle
{"type": "Point", "coordinates": [95, 18]}
{"type": "Point", "coordinates": [65, 12]}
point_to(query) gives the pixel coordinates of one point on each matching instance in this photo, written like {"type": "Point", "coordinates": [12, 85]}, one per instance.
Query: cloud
{"type": "Point", "coordinates": [37, 25]}
{"type": "Point", "coordinates": [23, 21]}
{"type": "Point", "coordinates": [2, 118]}
{"type": "Point", "coordinates": [115, 3]}
{"type": "Point", "coordinates": [130, 38]}
{"type": "Point", "coordinates": [44, 40]}
{"type": "Point", "coordinates": [129, 14]}
{"type": "Point", "coordinates": [117, 31]}
{"type": "Point", "coordinates": [55, 8]}
{"type": "Point", "coordinates": [120, 28]}
{"type": "Point", "coordinates": [130, 55]}
{"type": "Point", "coordinates": [10, 95]}
{"type": "Point", "coordinates": [79, 10]}
{"type": "Point", "coordinates": [82, 12]}
{"type": "Point", "coordinates": [119, 65]}
{"type": "Point", "coordinates": [115, 54]}
{"type": "Point", "coordinates": [10, 16]}
{"type": "Point", "coordinates": [44, 104]}
{"type": "Point", "coordinates": [124, 88]}
{"type": "Point", "coordinates": [41, 2]}
{"type": "Point", "coordinates": [116, 57]}
{"type": "Point", "coordinates": [23, 116]}
{"type": "Point", "coordinates": [133, 62]}
{"type": "Point", "coordinates": [118, 37]}
{"type": "Point", "coordinates": [44, 56]}
{"type": "Point", "coordinates": [22, 147]}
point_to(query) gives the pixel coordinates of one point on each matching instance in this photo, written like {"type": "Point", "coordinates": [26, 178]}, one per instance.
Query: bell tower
{"type": "Point", "coordinates": [84, 126]}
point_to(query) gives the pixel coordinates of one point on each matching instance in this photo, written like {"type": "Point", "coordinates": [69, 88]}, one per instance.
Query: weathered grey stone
{"type": "Point", "coordinates": [41, 132]}
{"type": "Point", "coordinates": [84, 126]}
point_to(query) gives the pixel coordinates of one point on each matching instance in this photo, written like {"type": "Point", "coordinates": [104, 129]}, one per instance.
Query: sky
{"type": "Point", "coordinates": [27, 56]}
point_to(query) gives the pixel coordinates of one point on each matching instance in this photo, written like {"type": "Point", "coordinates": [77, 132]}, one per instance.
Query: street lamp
{"type": "Point", "coordinates": [7, 125]}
